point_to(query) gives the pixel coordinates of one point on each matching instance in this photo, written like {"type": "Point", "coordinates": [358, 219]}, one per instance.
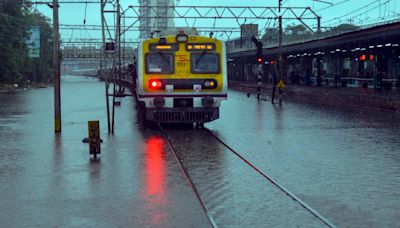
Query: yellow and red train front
{"type": "Point", "coordinates": [182, 78]}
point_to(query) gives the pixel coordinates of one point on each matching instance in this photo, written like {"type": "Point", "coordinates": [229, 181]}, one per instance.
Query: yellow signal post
{"type": "Point", "coordinates": [94, 137]}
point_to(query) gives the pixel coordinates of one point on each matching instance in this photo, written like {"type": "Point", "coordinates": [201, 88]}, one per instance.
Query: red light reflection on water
{"type": "Point", "coordinates": [155, 179]}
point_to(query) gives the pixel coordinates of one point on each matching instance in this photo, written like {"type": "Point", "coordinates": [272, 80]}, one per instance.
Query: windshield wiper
{"type": "Point", "coordinates": [201, 56]}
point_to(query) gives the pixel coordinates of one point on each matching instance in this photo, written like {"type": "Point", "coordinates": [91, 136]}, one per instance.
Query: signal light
{"type": "Point", "coordinates": [369, 57]}
{"type": "Point", "coordinates": [196, 47]}
{"type": "Point", "coordinates": [259, 46]}
{"type": "Point", "coordinates": [155, 84]}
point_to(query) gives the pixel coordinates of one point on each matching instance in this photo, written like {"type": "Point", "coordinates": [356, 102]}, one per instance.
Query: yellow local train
{"type": "Point", "coordinates": [181, 78]}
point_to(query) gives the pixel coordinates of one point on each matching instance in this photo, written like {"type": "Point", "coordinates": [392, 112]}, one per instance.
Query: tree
{"type": "Point", "coordinates": [291, 32]}
{"type": "Point", "coordinates": [16, 64]}
{"type": "Point", "coordinates": [13, 34]}
{"type": "Point", "coordinates": [270, 35]}
{"type": "Point", "coordinates": [346, 27]}
{"type": "Point", "coordinates": [342, 28]}
{"type": "Point", "coordinates": [297, 32]}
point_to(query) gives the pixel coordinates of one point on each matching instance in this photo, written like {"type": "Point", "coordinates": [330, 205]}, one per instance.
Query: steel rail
{"type": "Point", "coordinates": [275, 183]}
{"type": "Point", "coordinates": [187, 177]}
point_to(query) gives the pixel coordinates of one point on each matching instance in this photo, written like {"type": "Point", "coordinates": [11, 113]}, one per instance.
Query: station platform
{"type": "Point", "coordinates": [369, 98]}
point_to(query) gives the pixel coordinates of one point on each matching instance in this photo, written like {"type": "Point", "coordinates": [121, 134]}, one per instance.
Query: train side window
{"type": "Point", "coordinates": [159, 63]}
{"type": "Point", "coordinates": [205, 63]}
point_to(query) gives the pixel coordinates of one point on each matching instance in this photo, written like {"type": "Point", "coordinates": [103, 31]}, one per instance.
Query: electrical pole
{"type": "Point", "coordinates": [104, 65]}
{"type": "Point", "coordinates": [260, 61]}
{"type": "Point", "coordinates": [118, 66]}
{"type": "Point", "coordinates": [319, 58]}
{"type": "Point", "coordinates": [56, 68]}
{"type": "Point", "coordinates": [280, 60]}
{"type": "Point", "coordinates": [277, 78]}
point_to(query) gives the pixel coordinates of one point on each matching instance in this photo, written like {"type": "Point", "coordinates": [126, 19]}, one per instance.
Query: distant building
{"type": "Point", "coordinates": [148, 16]}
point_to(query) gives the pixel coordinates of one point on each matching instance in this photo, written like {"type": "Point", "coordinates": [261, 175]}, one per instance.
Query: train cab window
{"type": "Point", "coordinates": [205, 63]}
{"type": "Point", "coordinates": [159, 63]}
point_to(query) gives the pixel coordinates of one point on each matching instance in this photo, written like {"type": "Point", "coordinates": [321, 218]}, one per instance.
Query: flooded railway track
{"type": "Point", "coordinates": [187, 147]}
{"type": "Point", "coordinates": [187, 178]}
{"type": "Point", "coordinates": [274, 182]}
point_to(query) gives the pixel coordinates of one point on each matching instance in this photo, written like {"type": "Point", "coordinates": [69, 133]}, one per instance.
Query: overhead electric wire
{"type": "Point", "coordinates": [356, 10]}
{"type": "Point", "coordinates": [355, 16]}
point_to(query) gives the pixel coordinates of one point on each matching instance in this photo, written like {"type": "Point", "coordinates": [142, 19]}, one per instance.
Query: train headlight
{"type": "Point", "coordinates": [210, 84]}
{"type": "Point", "coordinates": [155, 84]}
{"type": "Point", "coordinates": [182, 38]}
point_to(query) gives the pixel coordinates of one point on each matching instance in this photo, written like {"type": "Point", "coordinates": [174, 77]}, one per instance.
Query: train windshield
{"type": "Point", "coordinates": [159, 63]}
{"type": "Point", "coordinates": [204, 63]}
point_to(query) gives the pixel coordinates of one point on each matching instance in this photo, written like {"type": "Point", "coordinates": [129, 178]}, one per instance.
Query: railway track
{"type": "Point", "coordinates": [247, 163]}
{"type": "Point", "coordinates": [188, 179]}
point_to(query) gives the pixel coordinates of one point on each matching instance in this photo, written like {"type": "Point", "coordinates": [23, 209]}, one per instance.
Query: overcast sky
{"type": "Point", "coordinates": [342, 11]}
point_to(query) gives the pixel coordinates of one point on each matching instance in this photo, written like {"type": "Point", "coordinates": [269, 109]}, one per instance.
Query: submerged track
{"type": "Point", "coordinates": [188, 179]}
{"type": "Point", "coordinates": [274, 182]}
{"type": "Point", "coordinates": [317, 215]}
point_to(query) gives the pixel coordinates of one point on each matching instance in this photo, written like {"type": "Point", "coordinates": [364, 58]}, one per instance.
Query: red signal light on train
{"type": "Point", "coordinates": [259, 60]}
{"type": "Point", "coordinates": [155, 84]}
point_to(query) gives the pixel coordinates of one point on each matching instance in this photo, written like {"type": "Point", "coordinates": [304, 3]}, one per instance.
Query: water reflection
{"type": "Point", "coordinates": [155, 178]}
{"type": "Point", "coordinates": [230, 188]}
{"type": "Point", "coordinates": [343, 162]}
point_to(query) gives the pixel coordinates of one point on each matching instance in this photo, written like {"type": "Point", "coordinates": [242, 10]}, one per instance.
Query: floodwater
{"type": "Point", "coordinates": [49, 180]}
{"type": "Point", "coordinates": [345, 164]}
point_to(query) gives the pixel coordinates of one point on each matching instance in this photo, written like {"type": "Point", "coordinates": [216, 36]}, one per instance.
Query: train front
{"type": "Point", "coordinates": [182, 78]}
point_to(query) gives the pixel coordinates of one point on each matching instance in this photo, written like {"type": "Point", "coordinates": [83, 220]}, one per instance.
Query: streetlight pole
{"type": "Point", "coordinates": [56, 69]}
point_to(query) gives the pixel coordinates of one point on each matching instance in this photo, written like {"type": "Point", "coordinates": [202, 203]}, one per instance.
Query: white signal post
{"type": "Point", "coordinates": [259, 81]}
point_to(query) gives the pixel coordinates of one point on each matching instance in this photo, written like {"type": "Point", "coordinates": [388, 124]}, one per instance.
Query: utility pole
{"type": "Point", "coordinates": [118, 46]}
{"type": "Point", "coordinates": [279, 62]}
{"type": "Point", "coordinates": [280, 59]}
{"type": "Point", "coordinates": [260, 60]}
{"type": "Point", "coordinates": [111, 49]}
{"type": "Point", "coordinates": [319, 58]}
{"type": "Point", "coordinates": [56, 69]}
{"type": "Point", "coordinates": [104, 65]}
